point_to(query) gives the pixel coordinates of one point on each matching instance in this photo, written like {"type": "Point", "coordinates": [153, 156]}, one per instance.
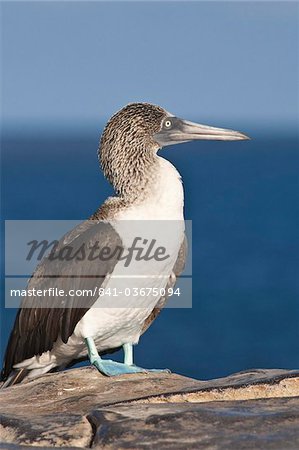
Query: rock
{"type": "Point", "coordinates": [48, 430]}
{"type": "Point", "coordinates": [255, 424]}
{"type": "Point", "coordinates": [80, 408]}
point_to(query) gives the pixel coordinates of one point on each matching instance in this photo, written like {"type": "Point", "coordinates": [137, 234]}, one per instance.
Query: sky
{"type": "Point", "coordinates": [74, 64]}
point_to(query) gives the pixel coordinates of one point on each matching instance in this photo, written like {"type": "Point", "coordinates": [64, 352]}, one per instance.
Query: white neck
{"type": "Point", "coordinates": [164, 199]}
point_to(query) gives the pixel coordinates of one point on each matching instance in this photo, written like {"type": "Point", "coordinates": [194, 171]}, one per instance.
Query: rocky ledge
{"type": "Point", "coordinates": [79, 408]}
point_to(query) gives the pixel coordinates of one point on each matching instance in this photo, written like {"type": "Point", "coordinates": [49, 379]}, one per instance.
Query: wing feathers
{"type": "Point", "coordinates": [36, 329]}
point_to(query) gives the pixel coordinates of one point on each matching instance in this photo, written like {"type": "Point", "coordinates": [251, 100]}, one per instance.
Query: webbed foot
{"type": "Point", "coordinates": [112, 368]}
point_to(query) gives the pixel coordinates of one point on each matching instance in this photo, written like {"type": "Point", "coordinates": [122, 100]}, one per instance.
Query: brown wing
{"type": "Point", "coordinates": [37, 328]}
{"type": "Point", "coordinates": [177, 270]}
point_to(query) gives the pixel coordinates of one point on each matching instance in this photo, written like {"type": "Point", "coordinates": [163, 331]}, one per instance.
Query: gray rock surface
{"type": "Point", "coordinates": [79, 408]}
{"type": "Point", "coordinates": [254, 424]}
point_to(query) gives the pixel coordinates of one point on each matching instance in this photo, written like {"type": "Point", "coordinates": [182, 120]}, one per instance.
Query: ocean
{"type": "Point", "coordinates": [243, 200]}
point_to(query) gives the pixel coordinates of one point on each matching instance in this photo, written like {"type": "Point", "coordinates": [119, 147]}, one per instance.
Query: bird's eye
{"type": "Point", "coordinates": [167, 123]}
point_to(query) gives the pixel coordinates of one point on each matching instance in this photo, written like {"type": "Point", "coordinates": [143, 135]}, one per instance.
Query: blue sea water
{"type": "Point", "coordinates": [243, 200]}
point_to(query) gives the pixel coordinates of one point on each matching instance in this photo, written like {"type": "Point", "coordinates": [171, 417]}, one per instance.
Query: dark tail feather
{"type": "Point", "coordinates": [15, 377]}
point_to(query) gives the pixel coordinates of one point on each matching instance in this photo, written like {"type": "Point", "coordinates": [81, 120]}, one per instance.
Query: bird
{"type": "Point", "coordinates": [148, 190]}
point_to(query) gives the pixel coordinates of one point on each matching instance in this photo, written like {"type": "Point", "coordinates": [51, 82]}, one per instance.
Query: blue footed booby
{"type": "Point", "coordinates": [147, 188]}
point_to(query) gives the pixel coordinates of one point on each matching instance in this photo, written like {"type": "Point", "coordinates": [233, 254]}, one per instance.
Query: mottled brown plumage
{"type": "Point", "coordinates": [129, 167]}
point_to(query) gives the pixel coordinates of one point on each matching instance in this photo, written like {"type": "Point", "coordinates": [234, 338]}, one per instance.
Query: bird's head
{"type": "Point", "coordinates": [134, 134]}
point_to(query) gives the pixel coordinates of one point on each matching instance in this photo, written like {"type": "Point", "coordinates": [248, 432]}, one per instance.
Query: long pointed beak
{"type": "Point", "coordinates": [184, 131]}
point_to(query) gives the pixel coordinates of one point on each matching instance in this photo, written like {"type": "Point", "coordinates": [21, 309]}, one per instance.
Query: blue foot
{"type": "Point", "coordinates": [112, 368]}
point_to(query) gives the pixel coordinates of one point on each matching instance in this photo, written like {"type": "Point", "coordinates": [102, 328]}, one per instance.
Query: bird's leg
{"type": "Point", "coordinates": [111, 368]}
{"type": "Point", "coordinates": [128, 360]}
{"type": "Point", "coordinates": [128, 351]}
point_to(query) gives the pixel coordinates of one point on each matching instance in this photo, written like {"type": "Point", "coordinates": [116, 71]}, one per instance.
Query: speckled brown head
{"type": "Point", "coordinates": [127, 147]}
{"type": "Point", "coordinates": [132, 137]}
